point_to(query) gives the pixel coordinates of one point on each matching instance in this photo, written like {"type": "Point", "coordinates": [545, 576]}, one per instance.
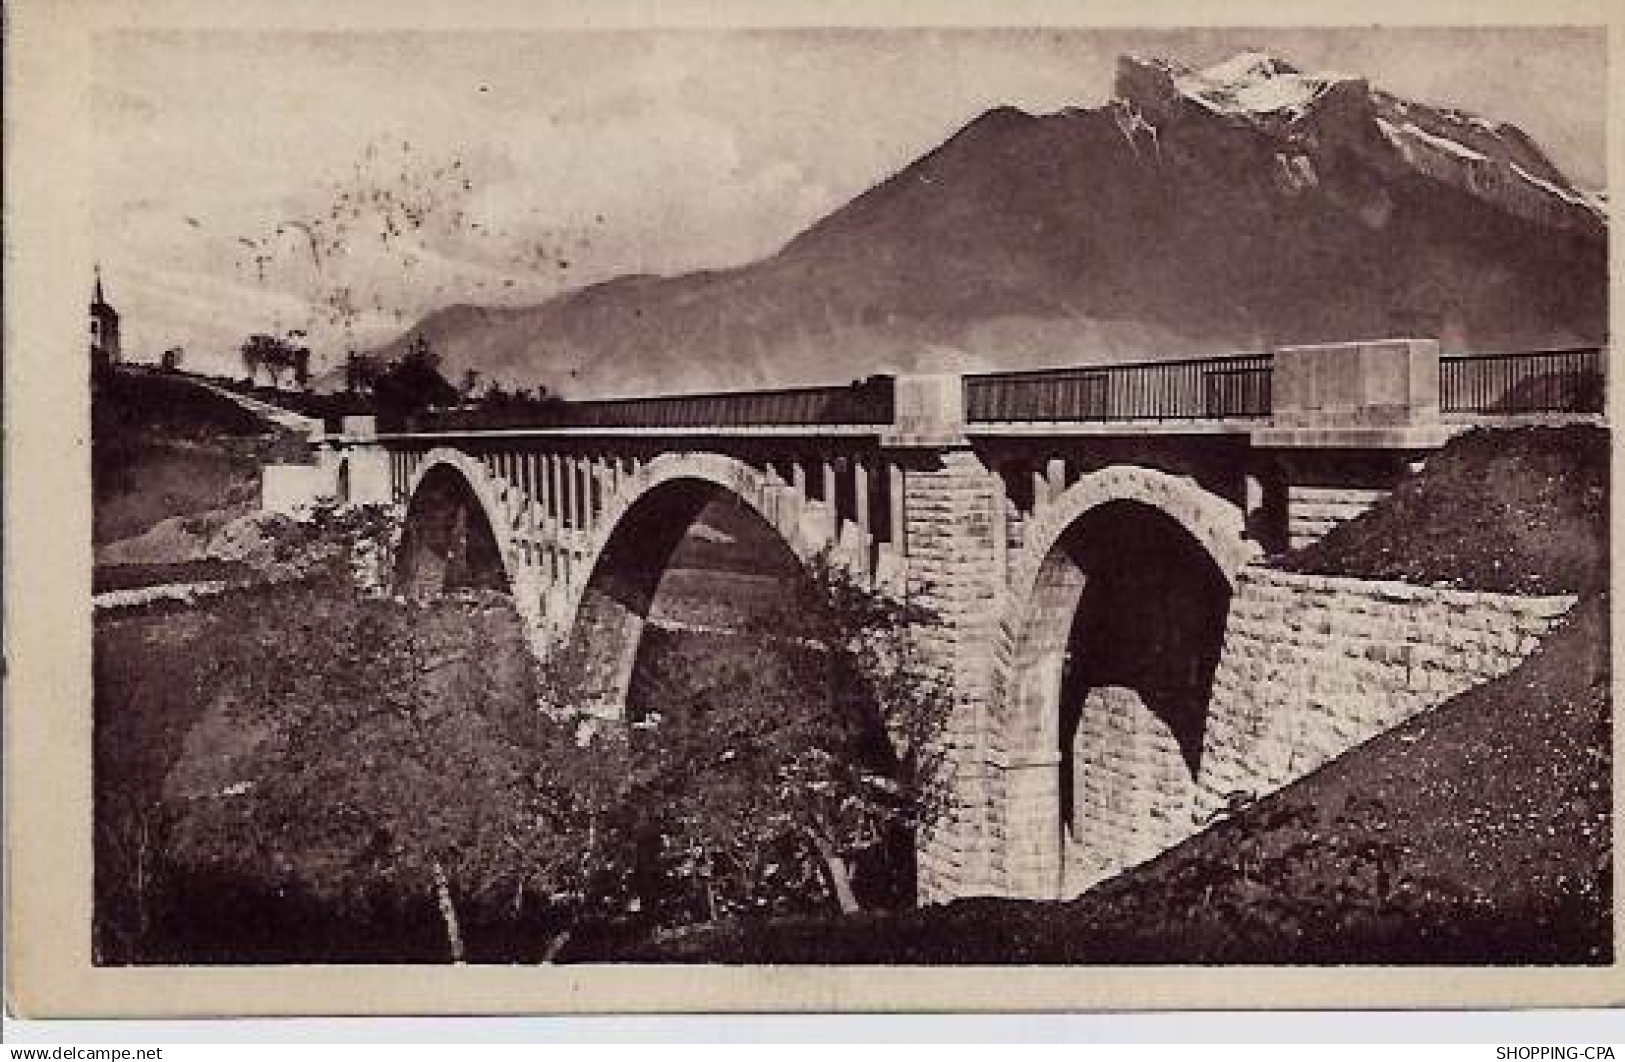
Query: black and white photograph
{"type": "Point", "coordinates": [848, 496]}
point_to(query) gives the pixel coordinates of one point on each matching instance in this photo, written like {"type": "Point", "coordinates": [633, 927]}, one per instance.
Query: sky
{"type": "Point", "coordinates": [345, 184]}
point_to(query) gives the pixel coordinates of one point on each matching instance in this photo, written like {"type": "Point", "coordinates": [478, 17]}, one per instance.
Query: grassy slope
{"type": "Point", "coordinates": [1479, 832]}
{"type": "Point", "coordinates": [163, 447]}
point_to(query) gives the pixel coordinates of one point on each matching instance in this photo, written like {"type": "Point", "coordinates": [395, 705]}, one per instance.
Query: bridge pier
{"type": "Point", "coordinates": [951, 571]}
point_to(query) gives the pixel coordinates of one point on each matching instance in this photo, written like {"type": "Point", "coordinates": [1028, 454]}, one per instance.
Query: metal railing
{"type": "Point", "coordinates": [1197, 389]}
{"type": "Point", "coordinates": [1524, 382]}
{"type": "Point", "coordinates": [1237, 388]}
{"type": "Point", "coordinates": [865, 402]}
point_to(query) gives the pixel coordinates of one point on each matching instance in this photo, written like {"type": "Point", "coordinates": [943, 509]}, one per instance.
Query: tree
{"type": "Point", "coordinates": [276, 355]}
{"type": "Point", "coordinates": [786, 761]}
{"type": "Point", "coordinates": [361, 372]}
{"type": "Point", "coordinates": [253, 353]}
{"type": "Point", "coordinates": [402, 762]}
{"type": "Point", "coordinates": [415, 383]}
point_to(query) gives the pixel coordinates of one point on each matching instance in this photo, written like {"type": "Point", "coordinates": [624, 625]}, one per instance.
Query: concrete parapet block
{"type": "Point", "coordinates": [1381, 394]}
{"type": "Point", "coordinates": [1392, 382]}
{"type": "Point", "coordinates": [359, 427]}
{"type": "Point", "coordinates": [929, 410]}
{"type": "Point", "coordinates": [367, 479]}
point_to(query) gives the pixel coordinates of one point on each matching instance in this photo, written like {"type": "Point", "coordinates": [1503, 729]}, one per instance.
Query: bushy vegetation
{"type": "Point", "coordinates": [277, 355]}
{"type": "Point", "coordinates": [789, 766]}
{"type": "Point", "coordinates": [324, 774]}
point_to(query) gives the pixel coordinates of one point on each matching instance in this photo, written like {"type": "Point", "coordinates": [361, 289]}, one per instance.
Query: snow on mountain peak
{"type": "Point", "coordinates": [1249, 66]}
{"type": "Point", "coordinates": [1248, 84]}
{"type": "Point", "coordinates": [1318, 116]}
{"type": "Point", "coordinates": [1252, 83]}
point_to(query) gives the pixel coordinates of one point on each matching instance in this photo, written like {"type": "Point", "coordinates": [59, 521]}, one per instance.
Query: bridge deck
{"type": "Point", "coordinates": [1203, 396]}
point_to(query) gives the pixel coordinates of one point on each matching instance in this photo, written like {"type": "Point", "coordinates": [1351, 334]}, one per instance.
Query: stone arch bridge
{"type": "Point", "coordinates": [1077, 534]}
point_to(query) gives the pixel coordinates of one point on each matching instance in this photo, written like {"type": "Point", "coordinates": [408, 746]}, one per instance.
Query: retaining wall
{"type": "Point", "coordinates": [1312, 666]}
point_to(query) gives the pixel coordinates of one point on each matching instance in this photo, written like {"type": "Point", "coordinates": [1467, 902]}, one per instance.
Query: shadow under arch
{"type": "Point", "coordinates": [447, 541]}
{"type": "Point", "coordinates": [1113, 666]}
{"type": "Point", "coordinates": [687, 554]}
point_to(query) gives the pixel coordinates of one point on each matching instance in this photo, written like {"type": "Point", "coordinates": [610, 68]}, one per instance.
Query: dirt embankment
{"type": "Point", "coordinates": [1514, 510]}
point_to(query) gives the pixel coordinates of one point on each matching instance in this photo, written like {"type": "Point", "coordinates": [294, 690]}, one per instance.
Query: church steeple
{"type": "Point", "coordinates": [105, 349]}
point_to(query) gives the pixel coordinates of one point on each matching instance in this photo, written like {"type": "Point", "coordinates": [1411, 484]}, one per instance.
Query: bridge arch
{"type": "Point", "coordinates": [454, 532]}
{"type": "Point", "coordinates": [630, 550]}
{"type": "Point", "coordinates": [1104, 660]}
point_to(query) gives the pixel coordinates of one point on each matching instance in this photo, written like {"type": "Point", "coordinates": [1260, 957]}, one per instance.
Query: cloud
{"type": "Point", "coordinates": [589, 154]}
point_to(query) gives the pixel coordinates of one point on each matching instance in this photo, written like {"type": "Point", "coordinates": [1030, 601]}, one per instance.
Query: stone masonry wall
{"type": "Point", "coordinates": [1314, 665]}
{"type": "Point", "coordinates": [1132, 789]}
{"type": "Point", "coordinates": [1311, 667]}
{"type": "Point", "coordinates": [1313, 511]}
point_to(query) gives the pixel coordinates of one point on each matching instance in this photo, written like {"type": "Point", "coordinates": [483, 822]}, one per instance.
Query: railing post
{"type": "Point", "coordinates": [1055, 472]}
{"type": "Point", "coordinates": [551, 510]}
{"type": "Point", "coordinates": [897, 515]}
{"type": "Point", "coordinates": [582, 492]}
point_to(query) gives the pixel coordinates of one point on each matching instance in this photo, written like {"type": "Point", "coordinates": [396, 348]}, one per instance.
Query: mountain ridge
{"type": "Point", "coordinates": [1197, 212]}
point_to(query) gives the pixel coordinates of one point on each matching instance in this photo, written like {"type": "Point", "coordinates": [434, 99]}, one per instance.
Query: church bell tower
{"type": "Point", "coordinates": [104, 339]}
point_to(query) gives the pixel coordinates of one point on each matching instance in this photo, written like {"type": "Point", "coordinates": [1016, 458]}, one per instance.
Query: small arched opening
{"type": "Point", "coordinates": [447, 542]}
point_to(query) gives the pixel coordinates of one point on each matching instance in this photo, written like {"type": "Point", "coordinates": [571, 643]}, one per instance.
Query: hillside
{"type": "Point", "coordinates": [1198, 212]}
{"type": "Point", "coordinates": [163, 446]}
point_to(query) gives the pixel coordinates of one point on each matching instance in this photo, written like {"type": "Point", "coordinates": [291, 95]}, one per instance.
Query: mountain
{"type": "Point", "coordinates": [1197, 212]}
